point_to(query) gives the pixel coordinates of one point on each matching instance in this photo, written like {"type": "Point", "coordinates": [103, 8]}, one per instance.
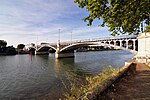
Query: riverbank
{"type": "Point", "coordinates": [101, 89]}
{"type": "Point", "coordinates": [119, 85]}
{"type": "Point", "coordinates": [87, 50]}
{"type": "Point", "coordinates": [3, 54]}
{"type": "Point", "coordinates": [6, 54]}
{"type": "Point", "coordinates": [22, 53]}
{"type": "Point", "coordinates": [133, 86]}
{"type": "Point", "coordinates": [127, 84]}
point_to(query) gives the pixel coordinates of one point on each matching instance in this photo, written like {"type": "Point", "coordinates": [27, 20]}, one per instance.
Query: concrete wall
{"type": "Point", "coordinates": [143, 48]}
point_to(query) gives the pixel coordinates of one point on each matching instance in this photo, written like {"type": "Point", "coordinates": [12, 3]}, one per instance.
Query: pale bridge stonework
{"type": "Point", "coordinates": [143, 54]}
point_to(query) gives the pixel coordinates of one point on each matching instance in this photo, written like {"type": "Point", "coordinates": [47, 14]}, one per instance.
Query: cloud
{"type": "Point", "coordinates": [30, 11]}
{"type": "Point", "coordinates": [25, 21]}
{"type": "Point", "coordinates": [20, 18]}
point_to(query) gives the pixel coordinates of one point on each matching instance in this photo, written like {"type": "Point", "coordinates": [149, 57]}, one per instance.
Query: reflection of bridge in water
{"type": "Point", "coordinates": [66, 49]}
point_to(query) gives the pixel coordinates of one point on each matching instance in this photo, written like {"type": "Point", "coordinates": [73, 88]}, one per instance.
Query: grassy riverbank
{"type": "Point", "coordinates": [77, 92]}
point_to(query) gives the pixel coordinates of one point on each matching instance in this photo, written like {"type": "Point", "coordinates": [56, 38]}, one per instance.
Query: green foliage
{"type": "Point", "coordinates": [121, 16]}
{"type": "Point", "coordinates": [147, 28]}
{"type": "Point", "coordinates": [92, 81]}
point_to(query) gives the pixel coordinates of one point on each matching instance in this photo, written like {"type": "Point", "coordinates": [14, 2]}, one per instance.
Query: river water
{"type": "Point", "coordinates": [26, 77]}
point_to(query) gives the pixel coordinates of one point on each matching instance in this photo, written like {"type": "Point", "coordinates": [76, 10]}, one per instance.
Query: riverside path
{"type": "Point", "coordinates": [133, 87]}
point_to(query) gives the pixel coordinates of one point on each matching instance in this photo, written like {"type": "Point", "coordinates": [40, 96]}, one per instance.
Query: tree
{"type": "Point", "coordinates": [121, 16]}
{"type": "Point", "coordinates": [10, 50]}
{"type": "Point", "coordinates": [20, 46]}
{"type": "Point", "coordinates": [3, 43]}
{"type": "Point", "coordinates": [3, 46]}
{"type": "Point", "coordinates": [147, 28]}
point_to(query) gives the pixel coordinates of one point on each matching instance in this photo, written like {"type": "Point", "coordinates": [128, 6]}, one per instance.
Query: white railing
{"type": "Point", "coordinates": [92, 40]}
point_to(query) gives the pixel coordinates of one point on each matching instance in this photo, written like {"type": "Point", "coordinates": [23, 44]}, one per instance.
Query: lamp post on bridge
{"type": "Point", "coordinates": [59, 36]}
{"type": "Point", "coordinates": [58, 43]}
{"type": "Point", "coordinates": [71, 37]}
{"type": "Point", "coordinates": [37, 40]}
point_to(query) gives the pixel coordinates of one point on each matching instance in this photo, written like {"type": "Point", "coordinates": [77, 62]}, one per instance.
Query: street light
{"type": "Point", "coordinates": [71, 37]}
{"type": "Point", "coordinates": [36, 38]}
{"type": "Point", "coordinates": [59, 35]}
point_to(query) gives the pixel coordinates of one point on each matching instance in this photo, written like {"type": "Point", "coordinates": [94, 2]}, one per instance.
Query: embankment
{"type": "Point", "coordinates": [102, 88]}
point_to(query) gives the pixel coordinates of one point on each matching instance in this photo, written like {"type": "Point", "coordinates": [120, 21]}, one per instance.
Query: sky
{"type": "Point", "coordinates": [36, 21]}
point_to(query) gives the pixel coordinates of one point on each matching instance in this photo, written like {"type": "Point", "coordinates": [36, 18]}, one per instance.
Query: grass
{"type": "Point", "coordinates": [77, 91]}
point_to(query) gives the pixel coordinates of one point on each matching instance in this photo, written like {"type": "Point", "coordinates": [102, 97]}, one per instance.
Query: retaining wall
{"type": "Point", "coordinates": [102, 88]}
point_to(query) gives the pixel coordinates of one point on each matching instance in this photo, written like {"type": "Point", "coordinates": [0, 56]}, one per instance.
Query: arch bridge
{"type": "Point", "coordinates": [66, 49]}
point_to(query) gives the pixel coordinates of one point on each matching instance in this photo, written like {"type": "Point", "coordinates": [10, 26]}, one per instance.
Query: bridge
{"type": "Point", "coordinates": [66, 49]}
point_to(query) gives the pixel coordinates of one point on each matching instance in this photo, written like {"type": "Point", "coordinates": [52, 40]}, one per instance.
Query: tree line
{"type": "Point", "coordinates": [4, 49]}
{"type": "Point", "coordinates": [10, 50]}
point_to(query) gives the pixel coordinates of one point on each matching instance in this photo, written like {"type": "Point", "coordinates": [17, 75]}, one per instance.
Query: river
{"type": "Point", "coordinates": [28, 77]}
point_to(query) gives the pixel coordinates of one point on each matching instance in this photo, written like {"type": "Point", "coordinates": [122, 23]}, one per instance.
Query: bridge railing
{"type": "Point", "coordinates": [92, 40]}
{"type": "Point", "coordinates": [108, 38]}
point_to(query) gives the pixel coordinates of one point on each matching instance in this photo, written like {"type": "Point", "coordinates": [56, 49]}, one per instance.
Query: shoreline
{"type": "Point", "coordinates": [5, 54]}
{"type": "Point", "coordinates": [101, 88]}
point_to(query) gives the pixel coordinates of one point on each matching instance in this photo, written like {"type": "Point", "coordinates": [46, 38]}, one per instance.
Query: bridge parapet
{"type": "Point", "coordinates": [124, 37]}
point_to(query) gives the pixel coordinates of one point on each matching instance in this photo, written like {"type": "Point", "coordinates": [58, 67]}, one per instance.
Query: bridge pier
{"type": "Point", "coordinates": [127, 45]}
{"type": "Point", "coordinates": [134, 46]}
{"type": "Point", "coordinates": [41, 53]}
{"type": "Point", "coordinates": [64, 55]}
{"type": "Point", "coordinates": [120, 43]}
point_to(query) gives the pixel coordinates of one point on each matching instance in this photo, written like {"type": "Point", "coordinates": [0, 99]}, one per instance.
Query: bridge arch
{"type": "Point", "coordinates": [117, 43]}
{"type": "Point", "coordinates": [107, 42]}
{"type": "Point", "coordinates": [112, 42]}
{"type": "Point", "coordinates": [46, 48]}
{"type": "Point", "coordinates": [32, 50]}
{"type": "Point", "coordinates": [79, 45]}
{"type": "Point", "coordinates": [74, 46]}
{"type": "Point", "coordinates": [124, 43]}
{"type": "Point", "coordinates": [131, 44]}
{"type": "Point", "coordinates": [136, 45]}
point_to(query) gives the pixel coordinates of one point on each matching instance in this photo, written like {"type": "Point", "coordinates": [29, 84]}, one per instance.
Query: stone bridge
{"type": "Point", "coordinates": [66, 49]}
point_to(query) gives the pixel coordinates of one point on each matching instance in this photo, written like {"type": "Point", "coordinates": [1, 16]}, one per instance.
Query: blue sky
{"type": "Point", "coordinates": [26, 21]}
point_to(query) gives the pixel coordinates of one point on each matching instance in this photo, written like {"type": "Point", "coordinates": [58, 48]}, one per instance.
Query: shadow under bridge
{"type": "Point", "coordinates": [45, 50]}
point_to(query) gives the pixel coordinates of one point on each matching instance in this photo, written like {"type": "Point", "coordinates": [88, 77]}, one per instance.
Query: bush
{"type": "Point", "coordinates": [92, 81]}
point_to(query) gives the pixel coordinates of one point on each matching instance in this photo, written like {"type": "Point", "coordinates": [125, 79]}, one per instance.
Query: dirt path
{"type": "Point", "coordinates": [133, 87]}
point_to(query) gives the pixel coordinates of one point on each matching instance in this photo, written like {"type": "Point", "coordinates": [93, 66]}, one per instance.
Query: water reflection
{"type": "Point", "coordinates": [68, 67]}
{"type": "Point", "coordinates": [57, 67]}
